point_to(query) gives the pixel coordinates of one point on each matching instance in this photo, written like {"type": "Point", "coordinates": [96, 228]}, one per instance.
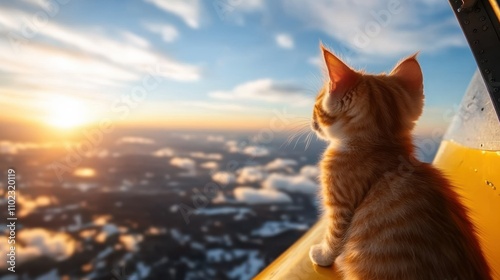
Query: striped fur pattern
{"type": "Point", "coordinates": [389, 215]}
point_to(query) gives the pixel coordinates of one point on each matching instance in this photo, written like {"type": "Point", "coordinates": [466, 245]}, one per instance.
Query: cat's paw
{"type": "Point", "coordinates": [320, 255]}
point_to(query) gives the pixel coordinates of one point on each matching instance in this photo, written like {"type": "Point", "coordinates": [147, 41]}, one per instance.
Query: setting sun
{"type": "Point", "coordinates": [65, 112]}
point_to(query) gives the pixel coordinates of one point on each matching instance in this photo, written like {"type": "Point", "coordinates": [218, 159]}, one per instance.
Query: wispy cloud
{"type": "Point", "coordinates": [91, 63]}
{"type": "Point", "coordinates": [135, 39]}
{"type": "Point", "coordinates": [135, 140]}
{"type": "Point", "coordinates": [187, 164]}
{"type": "Point", "coordinates": [187, 10]}
{"type": "Point", "coordinates": [235, 11]}
{"type": "Point", "coordinates": [381, 28]}
{"type": "Point", "coordinates": [315, 60]}
{"type": "Point", "coordinates": [219, 106]}
{"type": "Point", "coordinates": [260, 196]}
{"type": "Point", "coordinates": [101, 46]}
{"type": "Point", "coordinates": [250, 5]}
{"type": "Point", "coordinates": [167, 32]}
{"type": "Point", "coordinates": [44, 4]}
{"type": "Point", "coordinates": [284, 41]}
{"type": "Point", "coordinates": [265, 90]}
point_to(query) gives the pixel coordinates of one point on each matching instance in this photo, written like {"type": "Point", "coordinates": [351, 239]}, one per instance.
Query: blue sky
{"type": "Point", "coordinates": [219, 63]}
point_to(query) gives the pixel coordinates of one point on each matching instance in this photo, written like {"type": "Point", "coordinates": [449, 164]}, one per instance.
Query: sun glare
{"type": "Point", "coordinates": [65, 112]}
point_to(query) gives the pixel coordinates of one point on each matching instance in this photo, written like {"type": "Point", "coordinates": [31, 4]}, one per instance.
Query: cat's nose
{"type": "Point", "coordinates": [315, 125]}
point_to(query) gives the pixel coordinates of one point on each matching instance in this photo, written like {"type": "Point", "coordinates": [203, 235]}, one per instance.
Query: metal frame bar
{"type": "Point", "coordinates": [481, 27]}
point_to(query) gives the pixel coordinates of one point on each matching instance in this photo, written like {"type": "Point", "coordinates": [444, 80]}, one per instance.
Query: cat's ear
{"type": "Point", "coordinates": [408, 71]}
{"type": "Point", "coordinates": [342, 77]}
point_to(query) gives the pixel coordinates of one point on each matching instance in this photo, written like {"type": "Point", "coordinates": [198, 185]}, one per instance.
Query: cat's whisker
{"type": "Point", "coordinates": [299, 126]}
{"type": "Point", "coordinates": [298, 139]}
{"type": "Point", "coordinates": [298, 133]}
{"type": "Point", "coordinates": [309, 137]}
{"type": "Point", "coordinates": [298, 129]}
{"type": "Point", "coordinates": [292, 137]}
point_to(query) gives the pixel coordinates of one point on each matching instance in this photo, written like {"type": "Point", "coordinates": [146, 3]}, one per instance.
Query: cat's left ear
{"type": "Point", "coordinates": [408, 71]}
{"type": "Point", "coordinates": [341, 76]}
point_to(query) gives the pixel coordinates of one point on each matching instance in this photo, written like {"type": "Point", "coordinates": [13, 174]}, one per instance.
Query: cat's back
{"type": "Point", "coordinates": [411, 225]}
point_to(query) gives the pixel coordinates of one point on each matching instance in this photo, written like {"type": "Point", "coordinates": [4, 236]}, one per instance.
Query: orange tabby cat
{"type": "Point", "coordinates": [390, 216]}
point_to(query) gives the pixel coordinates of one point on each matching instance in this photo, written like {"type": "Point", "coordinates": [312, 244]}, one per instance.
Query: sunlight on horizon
{"type": "Point", "coordinates": [66, 113]}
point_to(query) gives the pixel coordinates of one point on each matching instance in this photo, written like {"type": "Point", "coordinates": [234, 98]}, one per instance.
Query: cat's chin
{"type": "Point", "coordinates": [333, 142]}
{"type": "Point", "coordinates": [322, 136]}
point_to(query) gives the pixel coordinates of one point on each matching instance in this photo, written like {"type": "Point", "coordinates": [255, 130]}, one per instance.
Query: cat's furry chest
{"type": "Point", "coordinates": [357, 169]}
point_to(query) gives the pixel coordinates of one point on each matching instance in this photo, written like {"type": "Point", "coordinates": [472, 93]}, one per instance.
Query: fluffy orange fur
{"type": "Point", "coordinates": [390, 216]}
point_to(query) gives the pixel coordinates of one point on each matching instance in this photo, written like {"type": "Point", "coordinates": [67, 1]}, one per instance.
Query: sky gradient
{"type": "Point", "coordinates": [221, 64]}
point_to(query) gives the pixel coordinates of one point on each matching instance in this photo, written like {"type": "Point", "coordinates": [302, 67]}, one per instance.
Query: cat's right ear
{"type": "Point", "coordinates": [342, 77]}
{"type": "Point", "coordinates": [408, 71]}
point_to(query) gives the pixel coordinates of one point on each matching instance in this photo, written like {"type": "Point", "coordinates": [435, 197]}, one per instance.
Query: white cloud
{"type": "Point", "coordinates": [315, 60]}
{"type": "Point", "coordinates": [164, 152]}
{"type": "Point", "coordinates": [235, 11]}
{"type": "Point", "coordinates": [36, 242]}
{"type": "Point", "coordinates": [256, 151]}
{"type": "Point", "coordinates": [274, 228]}
{"type": "Point", "coordinates": [284, 41]}
{"type": "Point", "coordinates": [379, 28]}
{"type": "Point", "coordinates": [7, 147]}
{"type": "Point", "coordinates": [266, 90]}
{"type": "Point", "coordinates": [223, 177]}
{"type": "Point", "coordinates": [251, 174]}
{"type": "Point", "coordinates": [167, 32]}
{"type": "Point", "coordinates": [187, 10]}
{"type": "Point", "coordinates": [220, 198]}
{"type": "Point", "coordinates": [135, 39]}
{"type": "Point", "coordinates": [135, 140]}
{"type": "Point", "coordinates": [215, 138]}
{"type": "Point", "coordinates": [260, 196]}
{"type": "Point", "coordinates": [184, 163]}
{"type": "Point", "coordinates": [210, 165]}
{"type": "Point", "coordinates": [29, 205]}
{"type": "Point", "coordinates": [243, 148]}
{"type": "Point", "coordinates": [87, 62]}
{"type": "Point", "coordinates": [296, 183]}
{"type": "Point", "coordinates": [250, 5]}
{"type": "Point", "coordinates": [101, 220]}
{"type": "Point", "coordinates": [131, 241]}
{"type": "Point", "coordinates": [310, 171]}
{"type": "Point", "coordinates": [44, 4]}
{"type": "Point", "coordinates": [209, 156]}
{"type": "Point", "coordinates": [76, 68]}
{"type": "Point", "coordinates": [131, 58]}
{"type": "Point", "coordinates": [281, 163]}
{"type": "Point", "coordinates": [233, 146]}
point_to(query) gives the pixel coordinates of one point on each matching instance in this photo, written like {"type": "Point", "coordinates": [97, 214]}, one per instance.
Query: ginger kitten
{"type": "Point", "coordinates": [389, 215]}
